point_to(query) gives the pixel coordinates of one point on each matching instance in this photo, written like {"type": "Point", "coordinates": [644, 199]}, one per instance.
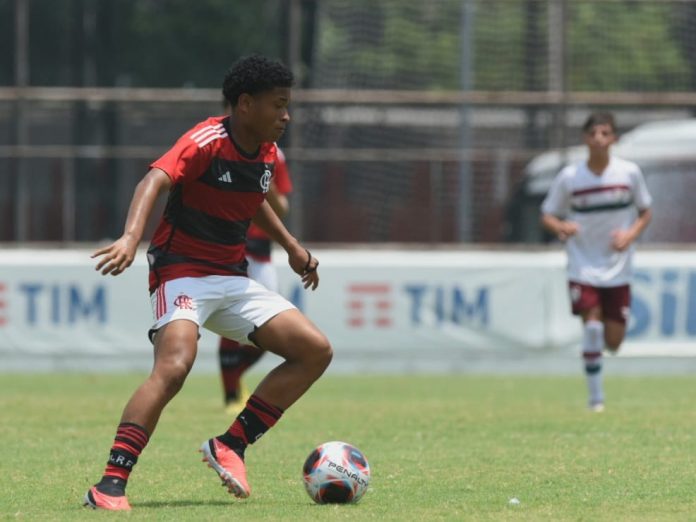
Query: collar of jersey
{"type": "Point", "coordinates": [242, 152]}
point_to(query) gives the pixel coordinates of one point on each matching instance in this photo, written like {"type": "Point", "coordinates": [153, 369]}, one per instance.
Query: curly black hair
{"type": "Point", "coordinates": [254, 74]}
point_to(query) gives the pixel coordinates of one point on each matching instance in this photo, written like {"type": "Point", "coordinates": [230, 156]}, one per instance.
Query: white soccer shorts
{"type": "Point", "coordinates": [230, 306]}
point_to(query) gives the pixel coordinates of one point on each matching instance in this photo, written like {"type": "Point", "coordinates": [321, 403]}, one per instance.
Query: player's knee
{"type": "Point", "coordinates": [325, 352]}
{"type": "Point", "coordinates": [320, 353]}
{"type": "Point", "coordinates": [176, 376]}
{"type": "Point", "coordinates": [613, 343]}
{"type": "Point", "coordinates": [173, 374]}
{"type": "Point", "coordinates": [613, 347]}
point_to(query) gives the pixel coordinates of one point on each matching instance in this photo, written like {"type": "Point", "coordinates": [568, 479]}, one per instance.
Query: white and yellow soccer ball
{"type": "Point", "coordinates": [336, 473]}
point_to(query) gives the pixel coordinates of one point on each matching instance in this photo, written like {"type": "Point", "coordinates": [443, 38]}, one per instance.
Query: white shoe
{"type": "Point", "coordinates": [597, 407]}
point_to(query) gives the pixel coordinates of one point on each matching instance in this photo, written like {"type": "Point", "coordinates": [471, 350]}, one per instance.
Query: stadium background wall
{"type": "Point", "coordinates": [385, 310]}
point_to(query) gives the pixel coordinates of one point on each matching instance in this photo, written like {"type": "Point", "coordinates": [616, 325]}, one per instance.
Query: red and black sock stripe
{"type": "Point", "coordinates": [593, 362]}
{"type": "Point", "coordinates": [129, 442]}
{"type": "Point", "coordinates": [255, 419]}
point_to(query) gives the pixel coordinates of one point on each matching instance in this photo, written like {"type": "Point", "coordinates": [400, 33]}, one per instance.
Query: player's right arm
{"type": "Point", "coordinates": [560, 228]}
{"type": "Point", "coordinates": [556, 204]}
{"type": "Point", "coordinates": [119, 255]}
{"type": "Point", "coordinates": [185, 161]}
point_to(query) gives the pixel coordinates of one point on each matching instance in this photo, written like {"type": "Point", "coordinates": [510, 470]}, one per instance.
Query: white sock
{"type": "Point", "coordinates": [592, 346]}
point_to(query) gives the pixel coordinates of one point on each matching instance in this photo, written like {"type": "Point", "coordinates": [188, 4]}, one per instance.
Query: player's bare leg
{"type": "Point", "coordinates": [307, 354]}
{"type": "Point", "coordinates": [175, 351]}
{"type": "Point", "coordinates": [306, 351]}
{"type": "Point", "coordinates": [592, 347]}
{"type": "Point", "coordinates": [614, 333]}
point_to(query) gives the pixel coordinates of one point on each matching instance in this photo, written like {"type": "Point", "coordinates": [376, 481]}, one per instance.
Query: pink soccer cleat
{"type": "Point", "coordinates": [98, 500]}
{"type": "Point", "coordinates": [228, 465]}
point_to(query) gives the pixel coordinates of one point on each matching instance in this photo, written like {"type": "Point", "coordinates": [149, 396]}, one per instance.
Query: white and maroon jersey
{"type": "Point", "coordinates": [600, 205]}
{"type": "Point", "coordinates": [217, 189]}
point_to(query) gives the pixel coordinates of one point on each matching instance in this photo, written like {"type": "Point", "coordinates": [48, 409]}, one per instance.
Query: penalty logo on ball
{"type": "Point", "coordinates": [336, 473]}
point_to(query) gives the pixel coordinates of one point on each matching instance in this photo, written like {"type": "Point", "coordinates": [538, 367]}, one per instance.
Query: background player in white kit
{"type": "Point", "coordinates": [599, 207]}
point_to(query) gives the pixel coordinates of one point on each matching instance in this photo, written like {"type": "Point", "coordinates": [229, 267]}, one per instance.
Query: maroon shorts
{"type": "Point", "coordinates": [614, 301]}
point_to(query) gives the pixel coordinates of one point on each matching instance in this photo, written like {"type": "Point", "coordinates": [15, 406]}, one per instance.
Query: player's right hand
{"type": "Point", "coordinates": [117, 256]}
{"type": "Point", "coordinates": [567, 229]}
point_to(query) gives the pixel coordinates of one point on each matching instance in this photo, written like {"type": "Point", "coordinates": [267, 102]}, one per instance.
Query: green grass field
{"type": "Point", "coordinates": [440, 448]}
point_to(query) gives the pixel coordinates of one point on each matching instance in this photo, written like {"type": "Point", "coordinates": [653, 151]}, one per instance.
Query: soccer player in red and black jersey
{"type": "Point", "coordinates": [217, 176]}
{"type": "Point", "coordinates": [235, 358]}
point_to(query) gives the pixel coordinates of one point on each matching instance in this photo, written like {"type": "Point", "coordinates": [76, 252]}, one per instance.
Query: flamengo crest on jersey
{"type": "Point", "coordinates": [266, 179]}
{"type": "Point", "coordinates": [207, 134]}
{"type": "Point", "coordinates": [217, 189]}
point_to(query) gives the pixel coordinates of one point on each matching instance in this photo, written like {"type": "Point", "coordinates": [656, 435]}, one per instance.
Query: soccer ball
{"type": "Point", "coordinates": [336, 473]}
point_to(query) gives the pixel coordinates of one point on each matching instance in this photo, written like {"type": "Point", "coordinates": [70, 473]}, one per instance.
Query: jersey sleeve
{"type": "Point", "coordinates": [281, 174]}
{"type": "Point", "coordinates": [557, 201]}
{"type": "Point", "coordinates": [641, 195]}
{"type": "Point", "coordinates": [186, 160]}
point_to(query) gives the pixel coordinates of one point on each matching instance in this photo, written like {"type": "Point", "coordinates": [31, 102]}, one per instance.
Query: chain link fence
{"type": "Point", "coordinates": [415, 122]}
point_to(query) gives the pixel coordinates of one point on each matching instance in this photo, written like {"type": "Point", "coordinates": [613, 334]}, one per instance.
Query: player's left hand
{"type": "Point", "coordinates": [621, 239]}
{"type": "Point", "coordinates": [305, 264]}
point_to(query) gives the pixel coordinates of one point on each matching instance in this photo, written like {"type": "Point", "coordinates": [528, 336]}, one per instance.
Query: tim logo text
{"type": "Point", "coordinates": [369, 303]}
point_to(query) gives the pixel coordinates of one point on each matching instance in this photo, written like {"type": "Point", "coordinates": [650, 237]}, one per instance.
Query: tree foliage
{"type": "Point", "coordinates": [158, 43]}
{"type": "Point", "coordinates": [624, 46]}
{"type": "Point", "coordinates": [615, 46]}
{"type": "Point", "coordinates": [620, 45]}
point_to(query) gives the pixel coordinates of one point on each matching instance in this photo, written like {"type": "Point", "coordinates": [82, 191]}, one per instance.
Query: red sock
{"type": "Point", "coordinates": [255, 419]}
{"type": "Point", "coordinates": [129, 442]}
{"type": "Point", "coordinates": [235, 359]}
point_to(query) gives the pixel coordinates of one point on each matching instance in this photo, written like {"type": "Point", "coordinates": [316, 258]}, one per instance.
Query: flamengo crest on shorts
{"type": "Point", "coordinates": [228, 306]}
{"type": "Point", "coordinates": [184, 302]}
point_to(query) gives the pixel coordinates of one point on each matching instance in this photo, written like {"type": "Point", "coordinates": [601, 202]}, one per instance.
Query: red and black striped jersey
{"type": "Point", "coordinates": [217, 189]}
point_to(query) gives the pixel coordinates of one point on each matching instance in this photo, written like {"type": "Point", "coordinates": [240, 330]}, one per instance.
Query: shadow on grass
{"type": "Point", "coordinates": [181, 503]}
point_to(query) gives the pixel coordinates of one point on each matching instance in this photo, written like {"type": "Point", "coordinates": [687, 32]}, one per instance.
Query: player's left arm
{"type": "Point", "coordinates": [278, 201]}
{"type": "Point", "coordinates": [622, 239]}
{"type": "Point", "coordinates": [281, 186]}
{"type": "Point", "coordinates": [299, 258]}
